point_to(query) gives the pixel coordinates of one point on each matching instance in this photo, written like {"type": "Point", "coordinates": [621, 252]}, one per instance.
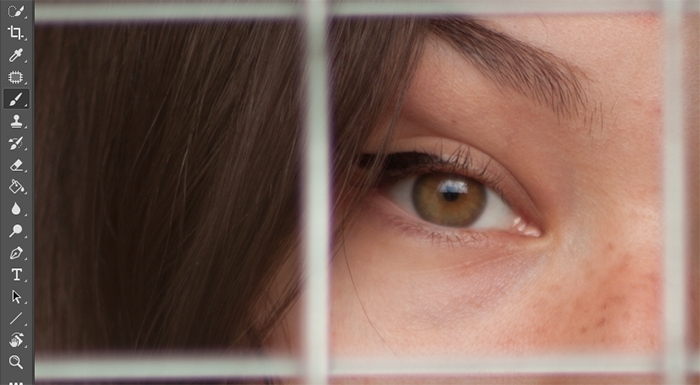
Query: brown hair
{"type": "Point", "coordinates": [166, 173]}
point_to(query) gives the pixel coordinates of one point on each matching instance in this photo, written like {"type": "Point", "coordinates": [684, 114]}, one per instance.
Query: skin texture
{"type": "Point", "coordinates": [590, 183]}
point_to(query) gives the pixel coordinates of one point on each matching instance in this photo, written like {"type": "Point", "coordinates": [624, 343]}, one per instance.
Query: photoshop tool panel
{"type": "Point", "coordinates": [346, 192]}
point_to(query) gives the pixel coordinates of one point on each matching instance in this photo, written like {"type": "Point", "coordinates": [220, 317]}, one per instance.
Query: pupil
{"type": "Point", "coordinates": [450, 196]}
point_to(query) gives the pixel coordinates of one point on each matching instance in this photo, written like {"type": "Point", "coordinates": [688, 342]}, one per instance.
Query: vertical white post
{"type": "Point", "coordinates": [316, 195]}
{"type": "Point", "coordinates": [675, 358]}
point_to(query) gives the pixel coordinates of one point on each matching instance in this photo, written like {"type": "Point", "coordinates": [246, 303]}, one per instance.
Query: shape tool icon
{"type": "Point", "coordinates": [13, 321]}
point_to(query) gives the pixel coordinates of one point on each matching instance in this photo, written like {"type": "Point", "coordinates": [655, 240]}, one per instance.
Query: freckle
{"type": "Point", "coordinates": [584, 330]}
{"type": "Point", "coordinates": [453, 121]}
{"type": "Point", "coordinates": [610, 247]}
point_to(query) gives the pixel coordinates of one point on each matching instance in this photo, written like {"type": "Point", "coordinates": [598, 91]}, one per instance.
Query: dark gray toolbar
{"type": "Point", "coordinates": [17, 197]}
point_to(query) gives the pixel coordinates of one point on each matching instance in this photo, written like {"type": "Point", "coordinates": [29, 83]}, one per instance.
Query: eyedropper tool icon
{"type": "Point", "coordinates": [17, 54]}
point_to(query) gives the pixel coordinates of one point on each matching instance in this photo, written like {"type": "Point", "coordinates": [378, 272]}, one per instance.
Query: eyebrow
{"type": "Point", "coordinates": [535, 73]}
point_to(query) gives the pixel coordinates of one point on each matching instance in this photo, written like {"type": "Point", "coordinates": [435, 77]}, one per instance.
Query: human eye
{"type": "Point", "coordinates": [451, 197]}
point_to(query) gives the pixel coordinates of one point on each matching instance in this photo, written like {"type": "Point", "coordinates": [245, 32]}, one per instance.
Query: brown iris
{"type": "Point", "coordinates": [448, 199]}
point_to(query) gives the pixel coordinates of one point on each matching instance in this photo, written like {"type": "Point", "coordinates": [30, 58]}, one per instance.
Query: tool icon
{"type": "Point", "coordinates": [12, 11]}
{"type": "Point", "coordinates": [15, 32]}
{"type": "Point", "coordinates": [16, 297]}
{"type": "Point", "coordinates": [14, 101]}
{"type": "Point", "coordinates": [14, 361]}
{"type": "Point", "coordinates": [16, 142]}
{"type": "Point", "coordinates": [16, 187]}
{"type": "Point", "coordinates": [15, 98]}
{"type": "Point", "coordinates": [16, 210]}
{"type": "Point", "coordinates": [16, 253]}
{"type": "Point", "coordinates": [16, 124]}
{"type": "Point", "coordinates": [17, 54]}
{"type": "Point", "coordinates": [15, 319]}
{"type": "Point", "coordinates": [16, 229]}
{"type": "Point", "coordinates": [15, 77]}
{"type": "Point", "coordinates": [17, 166]}
{"type": "Point", "coordinates": [16, 339]}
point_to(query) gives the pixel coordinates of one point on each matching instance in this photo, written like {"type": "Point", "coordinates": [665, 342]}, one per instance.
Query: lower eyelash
{"type": "Point", "coordinates": [413, 229]}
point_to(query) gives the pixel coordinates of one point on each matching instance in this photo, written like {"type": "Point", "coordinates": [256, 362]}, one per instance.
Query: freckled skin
{"type": "Point", "coordinates": [592, 281]}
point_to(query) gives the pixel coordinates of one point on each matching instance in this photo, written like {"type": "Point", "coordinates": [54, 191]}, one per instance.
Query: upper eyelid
{"type": "Point", "coordinates": [460, 162]}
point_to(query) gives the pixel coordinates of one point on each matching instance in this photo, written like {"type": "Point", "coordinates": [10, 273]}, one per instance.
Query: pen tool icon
{"type": "Point", "coordinates": [16, 252]}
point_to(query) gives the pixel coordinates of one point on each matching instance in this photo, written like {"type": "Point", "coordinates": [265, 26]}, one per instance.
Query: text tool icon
{"type": "Point", "coordinates": [16, 143]}
{"type": "Point", "coordinates": [16, 229]}
{"type": "Point", "coordinates": [16, 187]}
{"type": "Point", "coordinates": [16, 340]}
{"type": "Point", "coordinates": [13, 11]}
{"type": "Point", "coordinates": [16, 253]}
{"type": "Point", "coordinates": [14, 361]}
{"type": "Point", "coordinates": [17, 166]}
{"type": "Point", "coordinates": [17, 54]}
{"type": "Point", "coordinates": [15, 32]}
{"type": "Point", "coordinates": [16, 297]}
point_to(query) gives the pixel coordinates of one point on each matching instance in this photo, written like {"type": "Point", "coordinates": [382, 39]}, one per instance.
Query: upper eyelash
{"type": "Point", "coordinates": [401, 165]}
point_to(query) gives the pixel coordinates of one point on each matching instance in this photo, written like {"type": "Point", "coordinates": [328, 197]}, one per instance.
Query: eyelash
{"type": "Point", "coordinates": [402, 165]}
{"type": "Point", "coordinates": [398, 166]}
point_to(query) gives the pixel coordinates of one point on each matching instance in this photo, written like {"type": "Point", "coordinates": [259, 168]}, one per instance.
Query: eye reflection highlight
{"type": "Point", "coordinates": [448, 200]}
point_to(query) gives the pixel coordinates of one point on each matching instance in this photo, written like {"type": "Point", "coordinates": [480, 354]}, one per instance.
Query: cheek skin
{"type": "Point", "coordinates": [549, 299]}
{"type": "Point", "coordinates": [408, 300]}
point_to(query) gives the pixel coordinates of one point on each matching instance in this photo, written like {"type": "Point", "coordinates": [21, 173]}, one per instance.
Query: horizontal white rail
{"type": "Point", "coordinates": [97, 12]}
{"type": "Point", "coordinates": [202, 366]}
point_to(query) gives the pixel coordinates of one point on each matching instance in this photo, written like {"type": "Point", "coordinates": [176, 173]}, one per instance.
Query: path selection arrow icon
{"type": "Point", "coordinates": [15, 297]}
